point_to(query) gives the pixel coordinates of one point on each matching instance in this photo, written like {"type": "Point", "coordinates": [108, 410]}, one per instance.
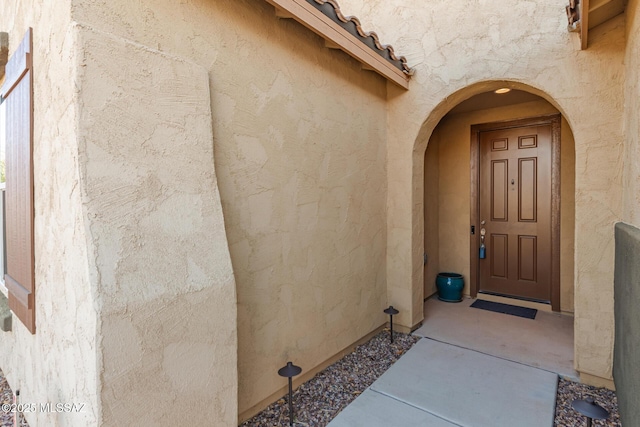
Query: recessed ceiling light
{"type": "Point", "coordinates": [503, 90]}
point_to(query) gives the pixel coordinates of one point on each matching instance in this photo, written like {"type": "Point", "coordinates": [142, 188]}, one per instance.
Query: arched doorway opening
{"type": "Point", "coordinates": [445, 149]}
{"type": "Point", "coordinates": [447, 175]}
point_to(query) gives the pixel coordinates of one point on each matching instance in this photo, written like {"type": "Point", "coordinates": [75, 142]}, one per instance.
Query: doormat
{"type": "Point", "coordinates": [528, 313]}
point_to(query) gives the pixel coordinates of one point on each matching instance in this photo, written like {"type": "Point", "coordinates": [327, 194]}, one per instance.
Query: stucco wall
{"type": "Point", "coordinates": [304, 195]}
{"type": "Point", "coordinates": [463, 48]}
{"type": "Point", "coordinates": [58, 363]}
{"type": "Point", "coordinates": [159, 254]}
{"type": "Point", "coordinates": [632, 121]}
{"type": "Point", "coordinates": [452, 137]}
{"type": "Point", "coordinates": [299, 137]}
{"type": "Point", "coordinates": [432, 213]}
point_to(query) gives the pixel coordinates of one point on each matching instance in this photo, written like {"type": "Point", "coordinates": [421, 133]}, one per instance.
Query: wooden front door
{"type": "Point", "coordinates": [515, 195]}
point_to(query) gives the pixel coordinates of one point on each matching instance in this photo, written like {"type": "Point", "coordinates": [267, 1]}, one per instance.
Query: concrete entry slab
{"type": "Point", "coordinates": [372, 409]}
{"type": "Point", "coordinates": [468, 388]}
{"type": "Point", "coordinates": [546, 342]}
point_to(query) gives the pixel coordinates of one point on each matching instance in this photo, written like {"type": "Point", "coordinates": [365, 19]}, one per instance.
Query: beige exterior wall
{"type": "Point", "coordinates": [468, 48]}
{"type": "Point", "coordinates": [452, 137]}
{"type": "Point", "coordinates": [299, 141]}
{"type": "Point", "coordinates": [135, 295]}
{"type": "Point", "coordinates": [432, 212]}
{"type": "Point", "coordinates": [58, 363]}
{"type": "Point", "coordinates": [567, 217]}
{"type": "Point", "coordinates": [159, 254]}
{"type": "Point", "coordinates": [632, 121]}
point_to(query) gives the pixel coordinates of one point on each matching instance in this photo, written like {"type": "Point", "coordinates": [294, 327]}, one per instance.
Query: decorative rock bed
{"type": "Point", "coordinates": [6, 418]}
{"type": "Point", "coordinates": [321, 398]}
{"type": "Point", "coordinates": [568, 391]}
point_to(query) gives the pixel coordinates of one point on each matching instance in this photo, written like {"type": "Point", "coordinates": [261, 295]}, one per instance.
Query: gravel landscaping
{"type": "Point", "coordinates": [320, 399]}
{"type": "Point", "coordinates": [6, 418]}
{"type": "Point", "coordinates": [568, 391]}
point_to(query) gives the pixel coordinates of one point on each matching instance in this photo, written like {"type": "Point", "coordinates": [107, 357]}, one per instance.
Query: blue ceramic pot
{"type": "Point", "coordinates": [450, 287]}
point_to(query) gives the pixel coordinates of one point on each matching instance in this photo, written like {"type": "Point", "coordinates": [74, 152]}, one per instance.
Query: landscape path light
{"type": "Point", "coordinates": [290, 371]}
{"type": "Point", "coordinates": [590, 409]}
{"type": "Point", "coordinates": [391, 311]}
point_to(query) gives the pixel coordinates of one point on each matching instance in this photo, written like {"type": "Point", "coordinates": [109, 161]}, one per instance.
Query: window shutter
{"type": "Point", "coordinates": [17, 94]}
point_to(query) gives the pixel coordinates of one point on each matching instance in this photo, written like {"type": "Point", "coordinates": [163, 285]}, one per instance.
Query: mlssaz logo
{"type": "Point", "coordinates": [61, 407]}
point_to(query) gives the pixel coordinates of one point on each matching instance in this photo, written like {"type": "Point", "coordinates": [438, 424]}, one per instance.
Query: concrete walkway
{"type": "Point", "coordinates": [443, 385]}
{"type": "Point", "coordinates": [472, 368]}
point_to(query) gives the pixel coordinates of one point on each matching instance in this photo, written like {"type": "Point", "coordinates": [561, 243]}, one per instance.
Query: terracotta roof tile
{"type": "Point", "coordinates": [351, 24]}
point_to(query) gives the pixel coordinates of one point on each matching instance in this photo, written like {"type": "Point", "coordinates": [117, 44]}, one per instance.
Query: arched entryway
{"type": "Point", "coordinates": [447, 155]}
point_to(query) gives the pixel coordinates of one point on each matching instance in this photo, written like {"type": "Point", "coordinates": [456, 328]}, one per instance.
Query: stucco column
{"type": "Point", "coordinates": [399, 243]}
{"type": "Point", "coordinates": [159, 256]}
{"type": "Point", "coordinates": [405, 244]}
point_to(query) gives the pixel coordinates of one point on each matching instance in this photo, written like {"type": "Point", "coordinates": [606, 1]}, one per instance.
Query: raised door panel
{"type": "Point", "coordinates": [515, 194]}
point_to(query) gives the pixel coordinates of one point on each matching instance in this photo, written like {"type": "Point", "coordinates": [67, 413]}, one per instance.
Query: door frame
{"type": "Point", "coordinates": [474, 242]}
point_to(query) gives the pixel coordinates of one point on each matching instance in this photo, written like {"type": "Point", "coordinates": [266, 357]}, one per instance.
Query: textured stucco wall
{"type": "Point", "coordinates": [567, 217]}
{"type": "Point", "coordinates": [159, 254]}
{"type": "Point", "coordinates": [301, 158]}
{"type": "Point", "coordinates": [299, 141]}
{"type": "Point", "coordinates": [463, 48]}
{"type": "Point", "coordinates": [452, 137]}
{"type": "Point", "coordinates": [432, 213]}
{"type": "Point", "coordinates": [58, 363]}
{"type": "Point", "coordinates": [632, 119]}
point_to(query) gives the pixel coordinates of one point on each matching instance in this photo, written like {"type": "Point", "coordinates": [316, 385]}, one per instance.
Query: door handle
{"type": "Point", "coordinates": [483, 251]}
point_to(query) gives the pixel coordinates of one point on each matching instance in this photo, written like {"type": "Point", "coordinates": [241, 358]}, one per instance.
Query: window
{"type": "Point", "coordinates": [17, 112]}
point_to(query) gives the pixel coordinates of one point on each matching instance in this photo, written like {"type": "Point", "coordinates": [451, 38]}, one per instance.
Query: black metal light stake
{"type": "Point", "coordinates": [590, 409]}
{"type": "Point", "coordinates": [391, 311]}
{"type": "Point", "coordinates": [290, 371]}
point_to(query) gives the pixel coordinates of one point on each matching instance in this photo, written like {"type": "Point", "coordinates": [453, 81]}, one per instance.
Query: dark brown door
{"type": "Point", "coordinates": [515, 206]}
